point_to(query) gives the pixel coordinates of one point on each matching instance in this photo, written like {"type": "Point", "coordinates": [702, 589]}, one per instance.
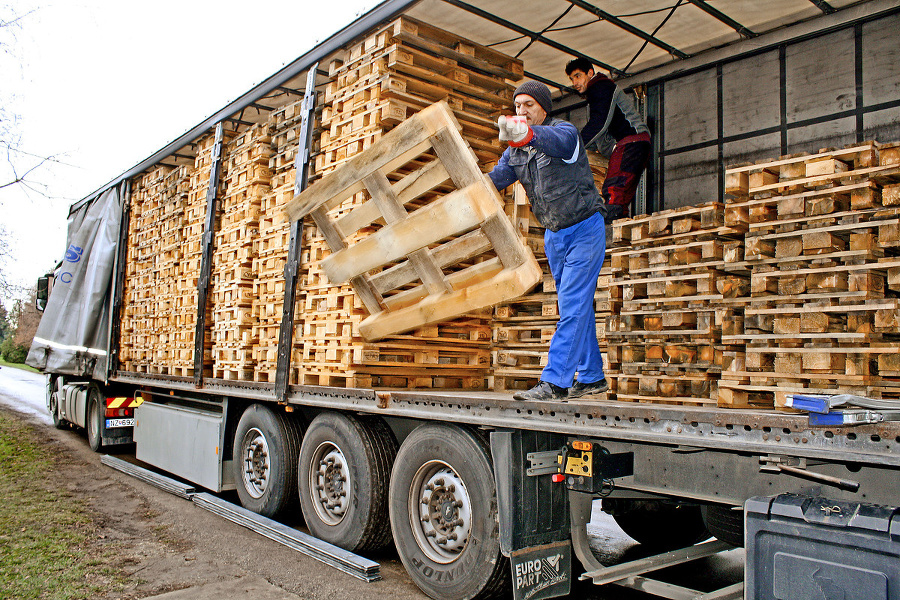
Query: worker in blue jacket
{"type": "Point", "coordinates": [547, 156]}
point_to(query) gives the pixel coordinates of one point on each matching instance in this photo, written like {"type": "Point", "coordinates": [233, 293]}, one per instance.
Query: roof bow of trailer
{"type": "Point", "coordinates": [635, 42]}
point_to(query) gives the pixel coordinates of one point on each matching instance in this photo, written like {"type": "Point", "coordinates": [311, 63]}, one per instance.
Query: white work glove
{"type": "Point", "coordinates": [514, 130]}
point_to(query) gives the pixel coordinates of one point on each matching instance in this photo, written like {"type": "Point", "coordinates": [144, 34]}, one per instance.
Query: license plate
{"type": "Point", "coordinates": [110, 423]}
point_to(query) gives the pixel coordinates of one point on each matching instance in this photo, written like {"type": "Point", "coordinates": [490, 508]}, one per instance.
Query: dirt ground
{"type": "Point", "coordinates": [163, 543]}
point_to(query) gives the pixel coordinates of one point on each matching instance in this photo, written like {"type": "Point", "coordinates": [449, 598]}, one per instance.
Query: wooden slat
{"type": "Point", "coordinates": [456, 212]}
{"type": "Point", "coordinates": [392, 208]}
{"type": "Point", "coordinates": [467, 246]}
{"type": "Point", "coordinates": [402, 144]}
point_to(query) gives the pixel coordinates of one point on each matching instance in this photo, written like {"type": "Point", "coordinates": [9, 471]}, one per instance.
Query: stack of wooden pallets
{"type": "Point", "coordinates": [137, 348]}
{"type": "Point", "coordinates": [404, 67]}
{"type": "Point", "coordinates": [172, 205]}
{"type": "Point", "coordinates": [188, 274]}
{"type": "Point", "coordinates": [153, 261]}
{"type": "Point", "coordinates": [822, 255]}
{"type": "Point", "coordinates": [666, 343]}
{"type": "Point", "coordinates": [247, 181]}
{"type": "Point", "coordinates": [271, 246]}
{"type": "Point", "coordinates": [398, 70]}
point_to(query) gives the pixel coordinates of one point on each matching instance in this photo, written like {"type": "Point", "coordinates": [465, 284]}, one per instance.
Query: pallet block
{"type": "Point", "coordinates": [425, 233]}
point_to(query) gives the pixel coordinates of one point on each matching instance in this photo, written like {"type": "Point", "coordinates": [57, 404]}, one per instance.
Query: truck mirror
{"type": "Point", "coordinates": [43, 292]}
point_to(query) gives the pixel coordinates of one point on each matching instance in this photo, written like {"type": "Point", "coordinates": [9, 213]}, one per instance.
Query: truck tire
{"type": "Point", "coordinates": [53, 401]}
{"type": "Point", "coordinates": [95, 418]}
{"type": "Point", "coordinates": [343, 476]}
{"type": "Point", "coordinates": [659, 525]}
{"type": "Point", "coordinates": [443, 506]}
{"type": "Point", "coordinates": [266, 446]}
{"type": "Point", "coordinates": [726, 523]}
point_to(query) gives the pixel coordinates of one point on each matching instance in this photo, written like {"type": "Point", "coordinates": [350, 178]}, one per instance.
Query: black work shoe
{"type": "Point", "coordinates": [579, 389]}
{"type": "Point", "coordinates": [544, 390]}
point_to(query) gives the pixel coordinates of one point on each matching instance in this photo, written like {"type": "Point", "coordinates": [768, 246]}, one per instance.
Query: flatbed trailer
{"type": "Point", "coordinates": [481, 494]}
{"type": "Point", "coordinates": [676, 471]}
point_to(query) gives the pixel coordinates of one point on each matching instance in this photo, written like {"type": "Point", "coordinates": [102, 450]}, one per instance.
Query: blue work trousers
{"type": "Point", "coordinates": [575, 255]}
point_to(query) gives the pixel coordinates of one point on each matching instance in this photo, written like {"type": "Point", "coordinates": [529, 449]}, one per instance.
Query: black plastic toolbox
{"type": "Point", "coordinates": [803, 548]}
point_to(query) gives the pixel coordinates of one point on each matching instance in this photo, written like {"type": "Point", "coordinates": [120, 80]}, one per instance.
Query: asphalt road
{"type": "Point", "coordinates": [23, 392]}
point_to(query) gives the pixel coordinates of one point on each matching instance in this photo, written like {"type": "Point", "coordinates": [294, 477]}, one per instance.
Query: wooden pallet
{"type": "Point", "coordinates": [409, 236]}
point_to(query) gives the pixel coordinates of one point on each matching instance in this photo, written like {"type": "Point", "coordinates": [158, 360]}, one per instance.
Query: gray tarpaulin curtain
{"type": "Point", "coordinates": [73, 335]}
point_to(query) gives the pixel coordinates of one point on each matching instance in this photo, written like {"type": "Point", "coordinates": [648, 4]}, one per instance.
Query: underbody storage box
{"type": "Point", "coordinates": [802, 548]}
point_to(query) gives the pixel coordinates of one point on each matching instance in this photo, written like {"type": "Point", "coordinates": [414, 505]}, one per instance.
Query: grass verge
{"type": "Point", "coordinates": [21, 366]}
{"type": "Point", "coordinates": [46, 549]}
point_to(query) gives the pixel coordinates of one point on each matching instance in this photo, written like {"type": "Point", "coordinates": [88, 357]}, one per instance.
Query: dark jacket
{"type": "Point", "coordinates": [612, 114]}
{"type": "Point", "coordinates": [554, 170]}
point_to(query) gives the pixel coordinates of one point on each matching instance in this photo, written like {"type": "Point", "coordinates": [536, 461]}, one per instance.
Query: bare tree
{"type": "Point", "coordinates": [7, 288]}
{"type": "Point", "coordinates": [21, 166]}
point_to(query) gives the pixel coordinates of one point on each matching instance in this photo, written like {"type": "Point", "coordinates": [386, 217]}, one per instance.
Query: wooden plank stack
{"type": "Point", "coordinates": [396, 71]}
{"type": "Point", "coordinates": [155, 251]}
{"type": "Point", "coordinates": [404, 67]}
{"type": "Point", "coordinates": [138, 299]}
{"type": "Point", "coordinates": [821, 252]}
{"type": "Point", "coordinates": [247, 181]}
{"type": "Point", "coordinates": [186, 294]}
{"type": "Point", "coordinates": [169, 260]}
{"type": "Point", "coordinates": [666, 343]}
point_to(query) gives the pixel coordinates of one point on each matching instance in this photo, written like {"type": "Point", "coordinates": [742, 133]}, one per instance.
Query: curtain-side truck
{"type": "Point", "coordinates": [481, 493]}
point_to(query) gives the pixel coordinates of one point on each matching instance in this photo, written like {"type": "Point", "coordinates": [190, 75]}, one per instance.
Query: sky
{"type": "Point", "coordinates": [102, 84]}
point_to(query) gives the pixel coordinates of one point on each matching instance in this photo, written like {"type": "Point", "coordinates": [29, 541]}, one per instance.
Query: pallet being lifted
{"type": "Point", "coordinates": [465, 231]}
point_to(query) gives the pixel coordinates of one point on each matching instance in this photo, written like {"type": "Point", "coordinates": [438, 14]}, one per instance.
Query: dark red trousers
{"type": "Point", "coordinates": [628, 161]}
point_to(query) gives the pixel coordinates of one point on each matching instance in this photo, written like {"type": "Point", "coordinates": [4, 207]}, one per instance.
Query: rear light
{"type": "Point", "coordinates": [557, 478]}
{"type": "Point", "coordinates": [119, 412]}
{"type": "Point", "coordinates": [121, 407]}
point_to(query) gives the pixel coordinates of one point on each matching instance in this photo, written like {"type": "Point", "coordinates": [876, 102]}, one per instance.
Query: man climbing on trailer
{"type": "Point", "coordinates": [615, 129]}
{"type": "Point", "coordinates": [547, 156]}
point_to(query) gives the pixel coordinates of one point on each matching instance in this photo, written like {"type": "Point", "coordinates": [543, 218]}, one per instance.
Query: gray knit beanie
{"type": "Point", "coordinates": [538, 91]}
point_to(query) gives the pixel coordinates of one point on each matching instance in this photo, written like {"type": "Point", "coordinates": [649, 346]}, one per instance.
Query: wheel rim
{"type": "Point", "coordinates": [329, 482]}
{"type": "Point", "coordinates": [440, 511]}
{"type": "Point", "coordinates": [51, 396]}
{"type": "Point", "coordinates": [51, 405]}
{"type": "Point", "coordinates": [256, 469]}
{"type": "Point", "coordinates": [92, 424]}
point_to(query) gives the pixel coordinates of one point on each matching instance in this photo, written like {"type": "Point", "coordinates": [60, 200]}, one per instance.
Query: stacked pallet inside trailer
{"type": "Point", "coordinates": [138, 304]}
{"type": "Point", "coordinates": [188, 276]}
{"type": "Point", "coordinates": [246, 181]}
{"type": "Point", "coordinates": [667, 342]}
{"type": "Point", "coordinates": [393, 73]}
{"type": "Point", "coordinates": [271, 245]}
{"type": "Point", "coordinates": [822, 255]}
{"type": "Point", "coordinates": [150, 315]}
{"type": "Point", "coordinates": [169, 265]}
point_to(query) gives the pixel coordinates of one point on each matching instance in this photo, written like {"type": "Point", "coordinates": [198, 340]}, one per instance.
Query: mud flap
{"type": "Point", "coordinates": [542, 571]}
{"type": "Point", "coordinates": [534, 515]}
